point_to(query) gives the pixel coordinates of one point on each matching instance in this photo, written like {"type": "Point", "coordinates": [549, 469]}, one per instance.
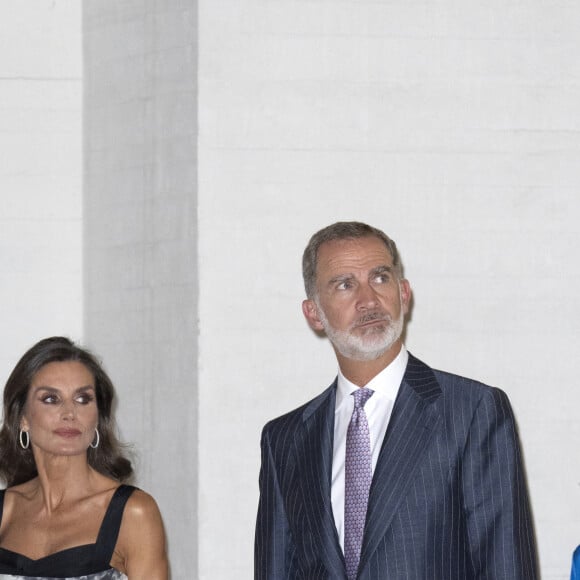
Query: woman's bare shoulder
{"type": "Point", "coordinates": [141, 550]}
{"type": "Point", "coordinates": [142, 518]}
{"type": "Point", "coordinates": [23, 489]}
{"type": "Point", "coordinates": [141, 505]}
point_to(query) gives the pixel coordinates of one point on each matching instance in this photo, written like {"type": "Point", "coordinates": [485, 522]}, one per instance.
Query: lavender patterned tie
{"type": "Point", "coordinates": [357, 481]}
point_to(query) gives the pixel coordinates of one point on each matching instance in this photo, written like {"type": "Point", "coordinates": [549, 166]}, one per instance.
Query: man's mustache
{"type": "Point", "coordinates": [372, 317]}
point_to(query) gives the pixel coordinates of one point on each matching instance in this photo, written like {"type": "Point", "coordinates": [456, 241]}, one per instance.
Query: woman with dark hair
{"type": "Point", "coordinates": [66, 512]}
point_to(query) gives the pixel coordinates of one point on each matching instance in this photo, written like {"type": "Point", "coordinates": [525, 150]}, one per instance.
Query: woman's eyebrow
{"type": "Point", "coordinates": [55, 390]}
{"type": "Point", "coordinates": [45, 388]}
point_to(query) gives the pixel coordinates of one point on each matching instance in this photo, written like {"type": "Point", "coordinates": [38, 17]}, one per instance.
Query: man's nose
{"type": "Point", "coordinates": [367, 297]}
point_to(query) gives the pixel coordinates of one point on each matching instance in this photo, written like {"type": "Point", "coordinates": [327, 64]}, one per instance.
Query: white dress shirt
{"type": "Point", "coordinates": [378, 411]}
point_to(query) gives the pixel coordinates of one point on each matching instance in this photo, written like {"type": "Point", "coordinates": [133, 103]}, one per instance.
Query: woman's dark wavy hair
{"type": "Point", "coordinates": [16, 464]}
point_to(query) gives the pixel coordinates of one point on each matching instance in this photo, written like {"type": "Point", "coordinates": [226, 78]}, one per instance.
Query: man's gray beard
{"type": "Point", "coordinates": [368, 346]}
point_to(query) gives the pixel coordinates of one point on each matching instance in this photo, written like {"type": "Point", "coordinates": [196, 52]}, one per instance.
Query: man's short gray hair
{"type": "Point", "coordinates": [342, 231]}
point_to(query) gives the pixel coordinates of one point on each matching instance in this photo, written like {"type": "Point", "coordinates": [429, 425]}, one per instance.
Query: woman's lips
{"type": "Point", "coordinates": [67, 432]}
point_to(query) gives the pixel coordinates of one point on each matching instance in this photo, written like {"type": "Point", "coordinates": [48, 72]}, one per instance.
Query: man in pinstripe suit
{"type": "Point", "coordinates": [448, 497]}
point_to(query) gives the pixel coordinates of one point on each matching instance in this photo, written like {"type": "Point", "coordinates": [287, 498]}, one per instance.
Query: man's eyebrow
{"type": "Point", "coordinates": [381, 270]}
{"type": "Point", "coordinates": [340, 278]}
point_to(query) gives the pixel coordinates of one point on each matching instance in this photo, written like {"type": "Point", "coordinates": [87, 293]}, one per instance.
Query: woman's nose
{"type": "Point", "coordinates": [68, 410]}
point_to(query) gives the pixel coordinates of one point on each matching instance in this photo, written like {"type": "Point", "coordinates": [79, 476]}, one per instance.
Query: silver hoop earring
{"type": "Point", "coordinates": [94, 444]}
{"type": "Point", "coordinates": [21, 439]}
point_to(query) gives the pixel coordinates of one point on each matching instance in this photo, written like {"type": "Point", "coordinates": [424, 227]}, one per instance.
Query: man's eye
{"type": "Point", "coordinates": [343, 285]}
{"type": "Point", "coordinates": [382, 279]}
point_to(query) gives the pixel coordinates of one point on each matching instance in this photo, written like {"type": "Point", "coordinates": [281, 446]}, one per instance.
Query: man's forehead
{"type": "Point", "coordinates": [358, 253]}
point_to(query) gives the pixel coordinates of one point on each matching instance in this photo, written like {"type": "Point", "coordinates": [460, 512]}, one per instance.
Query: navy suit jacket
{"type": "Point", "coordinates": [448, 500]}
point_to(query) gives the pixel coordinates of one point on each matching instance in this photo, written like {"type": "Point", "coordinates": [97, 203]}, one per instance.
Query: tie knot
{"type": "Point", "coordinates": [361, 396]}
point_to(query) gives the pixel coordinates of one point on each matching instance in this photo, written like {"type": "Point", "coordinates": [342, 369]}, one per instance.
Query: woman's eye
{"type": "Point", "coordinates": [49, 399]}
{"type": "Point", "coordinates": [84, 399]}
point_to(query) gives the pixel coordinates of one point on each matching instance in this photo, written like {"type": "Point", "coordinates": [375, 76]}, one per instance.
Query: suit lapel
{"type": "Point", "coordinates": [314, 452]}
{"type": "Point", "coordinates": [410, 428]}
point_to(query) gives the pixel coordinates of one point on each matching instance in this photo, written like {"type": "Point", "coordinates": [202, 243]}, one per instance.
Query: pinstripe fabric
{"type": "Point", "coordinates": [448, 499]}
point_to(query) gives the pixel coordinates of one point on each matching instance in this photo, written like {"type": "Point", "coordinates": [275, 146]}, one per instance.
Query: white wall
{"type": "Point", "coordinates": [40, 174]}
{"type": "Point", "coordinates": [451, 125]}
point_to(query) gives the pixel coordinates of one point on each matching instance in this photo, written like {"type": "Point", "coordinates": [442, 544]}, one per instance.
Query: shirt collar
{"type": "Point", "coordinates": [385, 384]}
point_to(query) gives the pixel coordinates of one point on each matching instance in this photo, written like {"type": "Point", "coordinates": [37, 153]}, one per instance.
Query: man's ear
{"type": "Point", "coordinates": [310, 311]}
{"type": "Point", "coordinates": [405, 289]}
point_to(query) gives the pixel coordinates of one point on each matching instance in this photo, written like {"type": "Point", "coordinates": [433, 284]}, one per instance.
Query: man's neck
{"type": "Point", "coordinates": [361, 372]}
